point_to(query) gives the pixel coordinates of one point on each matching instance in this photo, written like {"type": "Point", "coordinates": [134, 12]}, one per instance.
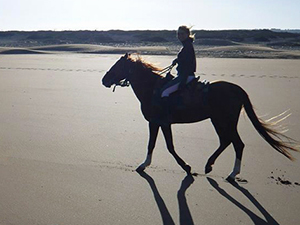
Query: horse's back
{"type": "Point", "coordinates": [225, 98]}
{"type": "Point", "coordinates": [226, 88]}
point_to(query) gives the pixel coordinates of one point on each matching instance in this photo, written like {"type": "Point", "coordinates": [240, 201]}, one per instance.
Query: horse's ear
{"type": "Point", "coordinates": [126, 56]}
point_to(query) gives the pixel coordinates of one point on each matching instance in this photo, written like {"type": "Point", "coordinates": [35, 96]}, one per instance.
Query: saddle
{"type": "Point", "coordinates": [194, 94]}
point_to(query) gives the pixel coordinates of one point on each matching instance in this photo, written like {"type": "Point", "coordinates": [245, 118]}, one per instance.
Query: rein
{"type": "Point", "coordinates": [126, 83]}
{"type": "Point", "coordinates": [166, 69]}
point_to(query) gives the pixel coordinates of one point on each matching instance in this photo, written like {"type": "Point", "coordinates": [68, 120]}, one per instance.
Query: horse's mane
{"type": "Point", "coordinates": [140, 61]}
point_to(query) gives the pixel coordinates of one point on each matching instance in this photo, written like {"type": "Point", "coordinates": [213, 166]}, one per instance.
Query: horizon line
{"type": "Point", "coordinates": [130, 30]}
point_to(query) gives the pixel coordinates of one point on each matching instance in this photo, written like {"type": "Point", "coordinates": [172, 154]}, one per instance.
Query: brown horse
{"type": "Point", "coordinates": [223, 104]}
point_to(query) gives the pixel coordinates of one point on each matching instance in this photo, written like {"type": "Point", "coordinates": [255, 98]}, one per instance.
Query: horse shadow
{"type": "Point", "coordinates": [185, 216]}
{"type": "Point", "coordinates": [255, 218]}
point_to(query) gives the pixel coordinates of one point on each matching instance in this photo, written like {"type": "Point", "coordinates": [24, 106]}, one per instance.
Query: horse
{"type": "Point", "coordinates": [223, 104]}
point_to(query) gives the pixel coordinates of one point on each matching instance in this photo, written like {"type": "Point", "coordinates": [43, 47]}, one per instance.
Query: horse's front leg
{"type": "Point", "coordinates": [153, 131]}
{"type": "Point", "coordinates": [169, 141]}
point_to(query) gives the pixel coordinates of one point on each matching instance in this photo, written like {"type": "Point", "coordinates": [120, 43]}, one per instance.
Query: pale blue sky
{"type": "Point", "coordinates": [148, 14]}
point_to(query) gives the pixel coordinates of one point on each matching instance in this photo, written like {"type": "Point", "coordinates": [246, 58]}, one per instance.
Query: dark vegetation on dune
{"type": "Point", "coordinates": [203, 37]}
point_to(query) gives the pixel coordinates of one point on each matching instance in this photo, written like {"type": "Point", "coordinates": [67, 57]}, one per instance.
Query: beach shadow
{"type": "Point", "coordinates": [185, 216]}
{"type": "Point", "coordinates": [255, 218]}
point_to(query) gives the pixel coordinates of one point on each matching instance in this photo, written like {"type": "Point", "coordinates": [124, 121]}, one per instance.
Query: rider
{"type": "Point", "coordinates": [186, 62]}
{"type": "Point", "coordinates": [186, 68]}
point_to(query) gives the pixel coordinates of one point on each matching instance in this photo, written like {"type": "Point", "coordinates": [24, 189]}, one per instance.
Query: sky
{"type": "Point", "coordinates": [31, 15]}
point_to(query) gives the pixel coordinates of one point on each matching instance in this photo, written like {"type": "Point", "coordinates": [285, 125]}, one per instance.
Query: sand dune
{"type": "Point", "coordinates": [242, 48]}
{"type": "Point", "coordinates": [250, 51]}
{"type": "Point", "coordinates": [236, 51]}
{"type": "Point", "coordinates": [16, 51]}
{"type": "Point", "coordinates": [85, 48]}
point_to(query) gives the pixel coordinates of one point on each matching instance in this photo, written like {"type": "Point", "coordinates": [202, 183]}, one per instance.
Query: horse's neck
{"type": "Point", "coordinates": [143, 86]}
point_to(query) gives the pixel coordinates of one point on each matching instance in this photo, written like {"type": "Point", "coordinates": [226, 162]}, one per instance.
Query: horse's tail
{"type": "Point", "coordinates": [265, 129]}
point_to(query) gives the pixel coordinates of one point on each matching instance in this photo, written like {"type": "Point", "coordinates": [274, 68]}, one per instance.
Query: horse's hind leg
{"type": "Point", "coordinates": [153, 131]}
{"type": "Point", "coordinates": [224, 142]}
{"type": "Point", "coordinates": [169, 141]}
{"type": "Point", "coordinates": [238, 147]}
{"type": "Point", "coordinates": [227, 132]}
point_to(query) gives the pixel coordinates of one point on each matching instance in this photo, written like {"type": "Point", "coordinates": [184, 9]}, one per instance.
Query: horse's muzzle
{"type": "Point", "coordinates": [108, 85]}
{"type": "Point", "coordinates": [106, 82]}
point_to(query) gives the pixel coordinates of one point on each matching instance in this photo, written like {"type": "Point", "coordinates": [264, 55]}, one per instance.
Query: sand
{"type": "Point", "coordinates": [69, 148]}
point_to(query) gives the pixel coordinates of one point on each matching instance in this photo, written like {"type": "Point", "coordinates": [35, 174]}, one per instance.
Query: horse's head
{"type": "Point", "coordinates": [117, 73]}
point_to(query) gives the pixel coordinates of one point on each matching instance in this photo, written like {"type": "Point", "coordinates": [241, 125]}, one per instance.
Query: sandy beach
{"type": "Point", "coordinates": [69, 148]}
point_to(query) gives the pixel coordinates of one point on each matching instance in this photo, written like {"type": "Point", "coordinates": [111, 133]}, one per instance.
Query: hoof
{"type": "Point", "coordinates": [208, 169]}
{"type": "Point", "coordinates": [140, 169]}
{"type": "Point", "coordinates": [230, 179]}
{"type": "Point", "coordinates": [188, 169]}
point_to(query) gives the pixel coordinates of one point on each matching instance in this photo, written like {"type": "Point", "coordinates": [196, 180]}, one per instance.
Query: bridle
{"type": "Point", "coordinates": [124, 82]}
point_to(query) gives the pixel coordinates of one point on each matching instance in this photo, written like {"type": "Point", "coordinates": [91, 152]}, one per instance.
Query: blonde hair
{"type": "Point", "coordinates": [188, 31]}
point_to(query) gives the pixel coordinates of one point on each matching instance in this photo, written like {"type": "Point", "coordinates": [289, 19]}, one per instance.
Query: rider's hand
{"type": "Point", "coordinates": [174, 62]}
